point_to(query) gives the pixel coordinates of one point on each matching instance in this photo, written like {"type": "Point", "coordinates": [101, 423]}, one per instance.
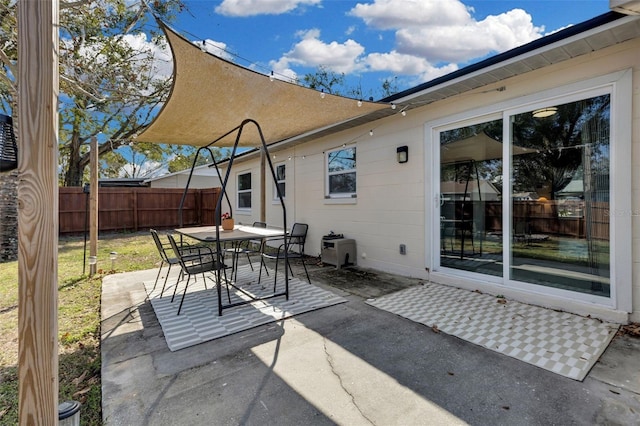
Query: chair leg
{"type": "Point", "coordinates": [275, 274]}
{"type": "Point", "coordinates": [175, 289]}
{"type": "Point", "coordinates": [184, 293]}
{"type": "Point", "coordinates": [165, 281]}
{"type": "Point", "coordinates": [262, 263]}
{"type": "Point", "coordinates": [204, 279]}
{"type": "Point", "coordinates": [305, 268]}
{"type": "Point", "coordinates": [290, 270]}
{"type": "Point", "coordinates": [226, 283]}
{"type": "Point", "coordinates": [249, 259]}
{"type": "Point", "coordinates": [158, 276]}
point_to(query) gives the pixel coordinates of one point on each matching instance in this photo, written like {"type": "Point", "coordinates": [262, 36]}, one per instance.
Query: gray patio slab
{"type": "Point", "coordinates": [345, 364]}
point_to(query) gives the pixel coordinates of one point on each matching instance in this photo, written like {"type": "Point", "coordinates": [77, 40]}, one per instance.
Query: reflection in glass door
{"type": "Point", "coordinates": [556, 212]}
{"type": "Point", "coordinates": [560, 196]}
{"type": "Point", "coordinates": [470, 198]}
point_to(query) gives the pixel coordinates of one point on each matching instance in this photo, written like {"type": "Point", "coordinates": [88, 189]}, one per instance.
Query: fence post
{"type": "Point", "coordinates": [199, 204]}
{"type": "Point", "coordinates": [135, 209]}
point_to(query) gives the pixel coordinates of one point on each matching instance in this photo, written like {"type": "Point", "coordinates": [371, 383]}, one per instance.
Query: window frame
{"type": "Point", "coordinates": [280, 181]}
{"type": "Point", "coordinates": [240, 192]}
{"type": "Point", "coordinates": [329, 174]}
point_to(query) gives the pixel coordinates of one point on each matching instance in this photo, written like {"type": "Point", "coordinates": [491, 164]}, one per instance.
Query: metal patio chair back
{"type": "Point", "coordinates": [166, 259]}
{"type": "Point", "coordinates": [197, 260]}
{"type": "Point", "coordinates": [296, 241]}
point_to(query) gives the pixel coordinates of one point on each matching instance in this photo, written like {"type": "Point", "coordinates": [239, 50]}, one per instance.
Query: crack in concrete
{"type": "Point", "coordinates": [335, 373]}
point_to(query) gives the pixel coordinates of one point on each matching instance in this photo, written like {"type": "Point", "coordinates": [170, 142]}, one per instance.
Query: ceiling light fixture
{"type": "Point", "coordinates": [544, 112]}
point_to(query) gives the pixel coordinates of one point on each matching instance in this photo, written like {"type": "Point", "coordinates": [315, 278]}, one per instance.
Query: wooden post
{"type": "Point", "coordinates": [93, 204]}
{"type": "Point", "coordinates": [38, 212]}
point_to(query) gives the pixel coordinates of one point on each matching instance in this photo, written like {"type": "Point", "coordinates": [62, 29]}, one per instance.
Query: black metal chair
{"type": "Point", "coordinates": [166, 259]}
{"type": "Point", "coordinates": [296, 240]}
{"type": "Point", "coordinates": [198, 260]}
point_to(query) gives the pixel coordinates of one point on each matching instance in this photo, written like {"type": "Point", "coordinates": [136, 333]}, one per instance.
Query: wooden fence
{"type": "Point", "coordinates": [550, 217]}
{"type": "Point", "coordinates": [134, 209]}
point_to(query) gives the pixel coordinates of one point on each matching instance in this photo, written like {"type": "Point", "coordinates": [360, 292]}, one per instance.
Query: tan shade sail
{"type": "Point", "coordinates": [478, 147]}
{"type": "Point", "coordinates": [211, 96]}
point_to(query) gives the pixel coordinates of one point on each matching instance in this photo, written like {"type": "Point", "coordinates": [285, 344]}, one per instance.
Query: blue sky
{"type": "Point", "coordinates": [405, 41]}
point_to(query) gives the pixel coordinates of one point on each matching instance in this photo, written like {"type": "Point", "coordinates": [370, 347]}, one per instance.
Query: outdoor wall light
{"type": "Point", "coordinates": [544, 112]}
{"type": "Point", "coordinates": [403, 154]}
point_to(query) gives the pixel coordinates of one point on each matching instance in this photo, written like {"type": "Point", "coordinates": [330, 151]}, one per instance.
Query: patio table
{"type": "Point", "coordinates": [240, 233]}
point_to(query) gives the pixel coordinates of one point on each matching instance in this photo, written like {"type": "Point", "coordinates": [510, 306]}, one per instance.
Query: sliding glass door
{"type": "Point", "coordinates": [470, 198]}
{"type": "Point", "coordinates": [536, 211]}
{"type": "Point", "coordinates": [560, 196]}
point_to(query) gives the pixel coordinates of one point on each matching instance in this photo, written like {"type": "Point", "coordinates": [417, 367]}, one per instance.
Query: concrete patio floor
{"type": "Point", "coordinates": [348, 364]}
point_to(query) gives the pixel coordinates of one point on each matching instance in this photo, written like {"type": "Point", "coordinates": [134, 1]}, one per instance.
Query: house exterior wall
{"type": "Point", "coordinates": [393, 200]}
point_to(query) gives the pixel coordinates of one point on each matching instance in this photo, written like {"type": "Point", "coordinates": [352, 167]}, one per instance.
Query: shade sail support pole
{"type": "Point", "coordinates": [238, 130]}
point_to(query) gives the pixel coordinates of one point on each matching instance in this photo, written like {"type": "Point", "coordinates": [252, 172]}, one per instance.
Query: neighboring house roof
{"type": "Point", "coordinates": [121, 182]}
{"type": "Point", "coordinates": [598, 33]}
{"type": "Point", "coordinates": [204, 170]}
{"type": "Point", "coordinates": [522, 196]}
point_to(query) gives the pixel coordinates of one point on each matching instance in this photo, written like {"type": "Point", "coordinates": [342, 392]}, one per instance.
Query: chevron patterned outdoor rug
{"type": "Point", "coordinates": [199, 322]}
{"type": "Point", "coordinates": [560, 342]}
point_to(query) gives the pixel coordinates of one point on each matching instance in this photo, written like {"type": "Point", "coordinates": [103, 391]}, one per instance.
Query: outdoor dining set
{"type": "Point", "coordinates": [213, 253]}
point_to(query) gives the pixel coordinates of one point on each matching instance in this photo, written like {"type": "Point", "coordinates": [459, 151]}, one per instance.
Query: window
{"type": "Point", "coordinates": [280, 181]}
{"type": "Point", "coordinates": [341, 172]}
{"type": "Point", "coordinates": [244, 191]}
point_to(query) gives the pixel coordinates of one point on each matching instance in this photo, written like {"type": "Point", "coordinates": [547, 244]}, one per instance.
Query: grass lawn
{"type": "Point", "coordinates": [78, 320]}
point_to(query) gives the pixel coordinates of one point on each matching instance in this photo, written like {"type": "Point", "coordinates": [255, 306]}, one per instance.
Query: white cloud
{"type": "Point", "coordinates": [217, 48]}
{"type": "Point", "coordinates": [349, 57]}
{"type": "Point", "coordinates": [313, 52]}
{"type": "Point", "coordinates": [147, 169]}
{"type": "Point", "coordinates": [398, 63]}
{"type": "Point", "coordinates": [261, 7]}
{"type": "Point", "coordinates": [445, 30]}
{"type": "Point", "coordinates": [432, 37]}
{"type": "Point", "coordinates": [394, 14]}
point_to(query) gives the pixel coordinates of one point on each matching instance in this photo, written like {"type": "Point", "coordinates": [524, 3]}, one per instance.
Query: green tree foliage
{"type": "Point", "coordinates": [559, 142]}
{"type": "Point", "coordinates": [327, 81]}
{"type": "Point", "coordinates": [324, 80]}
{"type": "Point", "coordinates": [110, 87]}
{"type": "Point", "coordinates": [186, 154]}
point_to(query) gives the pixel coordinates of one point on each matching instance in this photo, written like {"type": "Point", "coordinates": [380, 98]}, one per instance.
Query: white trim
{"type": "Point", "coordinates": [243, 210]}
{"type": "Point", "coordinates": [620, 182]}
{"type": "Point", "coordinates": [274, 192]}
{"type": "Point", "coordinates": [341, 196]}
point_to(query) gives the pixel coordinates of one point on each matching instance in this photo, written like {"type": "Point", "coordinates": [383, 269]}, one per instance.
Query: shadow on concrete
{"type": "Point", "coordinates": [344, 364]}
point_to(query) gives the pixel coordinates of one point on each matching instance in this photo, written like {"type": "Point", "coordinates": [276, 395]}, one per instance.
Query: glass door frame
{"type": "Point", "coordinates": [619, 86]}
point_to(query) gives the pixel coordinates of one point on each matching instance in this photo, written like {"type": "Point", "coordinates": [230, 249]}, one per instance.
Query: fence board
{"type": "Point", "coordinates": [133, 209]}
